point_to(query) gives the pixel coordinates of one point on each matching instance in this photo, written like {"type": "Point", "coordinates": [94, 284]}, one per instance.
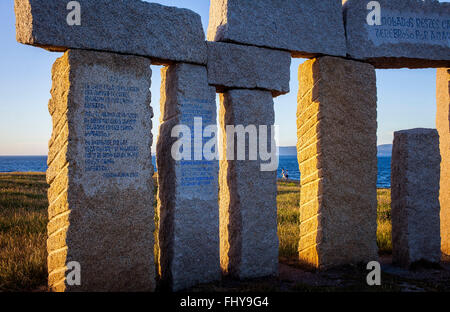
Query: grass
{"type": "Point", "coordinates": [384, 229]}
{"type": "Point", "coordinates": [23, 222]}
{"type": "Point", "coordinates": [288, 218]}
{"type": "Point", "coordinates": [289, 212]}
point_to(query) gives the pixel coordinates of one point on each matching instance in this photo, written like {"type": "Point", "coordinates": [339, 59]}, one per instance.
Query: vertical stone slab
{"type": "Point", "coordinates": [100, 173]}
{"type": "Point", "coordinates": [443, 127]}
{"type": "Point", "coordinates": [337, 155]}
{"type": "Point", "coordinates": [415, 197]}
{"type": "Point", "coordinates": [188, 189]}
{"type": "Point", "coordinates": [248, 206]}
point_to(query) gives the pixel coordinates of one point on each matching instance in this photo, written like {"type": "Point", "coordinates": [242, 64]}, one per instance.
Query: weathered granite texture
{"type": "Point", "coordinates": [304, 27]}
{"type": "Point", "coordinates": [132, 27]}
{"type": "Point", "coordinates": [337, 155]}
{"type": "Point", "coordinates": [240, 66]}
{"type": "Point", "coordinates": [248, 206]}
{"type": "Point", "coordinates": [413, 33]}
{"type": "Point", "coordinates": [100, 173]}
{"type": "Point", "coordinates": [415, 197]}
{"type": "Point", "coordinates": [188, 190]}
{"type": "Point", "coordinates": [443, 127]}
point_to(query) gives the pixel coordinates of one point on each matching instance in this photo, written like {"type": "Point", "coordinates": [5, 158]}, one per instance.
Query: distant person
{"type": "Point", "coordinates": [285, 174]}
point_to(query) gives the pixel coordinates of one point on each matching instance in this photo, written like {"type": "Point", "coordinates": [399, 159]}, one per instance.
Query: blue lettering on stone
{"type": "Point", "coordinates": [104, 124]}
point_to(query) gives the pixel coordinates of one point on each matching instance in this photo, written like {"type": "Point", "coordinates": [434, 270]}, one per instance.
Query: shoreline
{"type": "Point", "coordinates": [155, 175]}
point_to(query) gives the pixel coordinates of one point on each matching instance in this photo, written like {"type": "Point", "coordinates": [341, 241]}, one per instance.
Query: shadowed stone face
{"type": "Point", "coordinates": [131, 27]}
{"type": "Point", "coordinates": [240, 66]}
{"type": "Point", "coordinates": [412, 33]}
{"type": "Point", "coordinates": [248, 206]}
{"type": "Point", "coordinates": [304, 27]}
{"type": "Point", "coordinates": [443, 127]}
{"type": "Point", "coordinates": [100, 173]}
{"type": "Point", "coordinates": [188, 189]}
{"type": "Point", "coordinates": [337, 155]}
{"type": "Point", "coordinates": [415, 197]}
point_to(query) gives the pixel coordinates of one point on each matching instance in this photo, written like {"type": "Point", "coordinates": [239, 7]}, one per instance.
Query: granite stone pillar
{"type": "Point", "coordinates": [100, 173]}
{"type": "Point", "coordinates": [337, 155]}
{"type": "Point", "coordinates": [248, 190]}
{"type": "Point", "coordinates": [443, 127]}
{"type": "Point", "coordinates": [188, 186]}
{"type": "Point", "coordinates": [415, 197]}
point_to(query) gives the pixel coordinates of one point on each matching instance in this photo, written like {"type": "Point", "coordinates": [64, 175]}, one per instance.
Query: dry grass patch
{"type": "Point", "coordinates": [23, 222]}
{"type": "Point", "coordinates": [288, 202]}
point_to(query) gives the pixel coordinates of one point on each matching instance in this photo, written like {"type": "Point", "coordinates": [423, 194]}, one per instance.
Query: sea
{"type": "Point", "coordinates": [289, 163]}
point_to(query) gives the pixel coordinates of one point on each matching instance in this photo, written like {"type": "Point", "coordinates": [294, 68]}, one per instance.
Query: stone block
{"type": "Point", "coordinates": [443, 127]}
{"type": "Point", "coordinates": [100, 196]}
{"type": "Point", "coordinates": [415, 197]}
{"type": "Point", "coordinates": [188, 188]}
{"type": "Point", "coordinates": [162, 33]}
{"type": "Point", "coordinates": [412, 33]}
{"type": "Point", "coordinates": [337, 155]}
{"type": "Point", "coordinates": [304, 27]}
{"type": "Point", "coordinates": [247, 67]}
{"type": "Point", "coordinates": [248, 204]}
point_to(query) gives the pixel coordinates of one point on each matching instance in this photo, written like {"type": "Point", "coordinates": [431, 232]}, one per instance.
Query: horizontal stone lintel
{"type": "Point", "coordinates": [164, 34]}
{"type": "Point", "coordinates": [307, 28]}
{"type": "Point", "coordinates": [409, 33]}
{"type": "Point", "coordinates": [235, 66]}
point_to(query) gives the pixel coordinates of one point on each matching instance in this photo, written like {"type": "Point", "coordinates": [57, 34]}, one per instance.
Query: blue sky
{"type": "Point", "coordinates": [406, 98]}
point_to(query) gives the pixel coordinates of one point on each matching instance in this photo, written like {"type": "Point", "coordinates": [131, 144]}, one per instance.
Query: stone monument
{"type": "Point", "coordinates": [415, 197]}
{"type": "Point", "coordinates": [443, 127]}
{"type": "Point", "coordinates": [188, 188]}
{"type": "Point", "coordinates": [129, 27]}
{"type": "Point", "coordinates": [337, 125]}
{"type": "Point", "coordinates": [100, 173]}
{"type": "Point", "coordinates": [400, 33]}
{"type": "Point", "coordinates": [304, 27]}
{"type": "Point", "coordinates": [248, 203]}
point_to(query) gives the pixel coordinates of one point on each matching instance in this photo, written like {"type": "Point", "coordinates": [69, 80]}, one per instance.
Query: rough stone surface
{"type": "Point", "coordinates": [132, 27]}
{"type": "Point", "coordinates": [443, 127]}
{"type": "Point", "coordinates": [248, 206]}
{"type": "Point", "coordinates": [239, 66]}
{"type": "Point", "coordinates": [188, 189]}
{"type": "Point", "coordinates": [337, 155]}
{"type": "Point", "coordinates": [413, 33]}
{"type": "Point", "coordinates": [304, 27]}
{"type": "Point", "coordinates": [100, 173]}
{"type": "Point", "coordinates": [415, 197]}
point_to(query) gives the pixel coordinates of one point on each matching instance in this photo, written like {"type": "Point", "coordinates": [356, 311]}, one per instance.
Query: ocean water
{"type": "Point", "coordinates": [384, 172]}
{"type": "Point", "coordinates": [289, 163]}
{"type": "Point", "coordinates": [23, 163]}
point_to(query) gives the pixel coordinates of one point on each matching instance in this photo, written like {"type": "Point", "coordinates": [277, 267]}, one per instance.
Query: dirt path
{"type": "Point", "coordinates": [292, 278]}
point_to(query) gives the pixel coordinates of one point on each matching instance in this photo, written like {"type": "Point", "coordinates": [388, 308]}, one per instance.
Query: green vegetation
{"type": "Point", "coordinates": [288, 201]}
{"type": "Point", "coordinates": [288, 219]}
{"type": "Point", "coordinates": [23, 221]}
{"type": "Point", "coordinates": [384, 230]}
